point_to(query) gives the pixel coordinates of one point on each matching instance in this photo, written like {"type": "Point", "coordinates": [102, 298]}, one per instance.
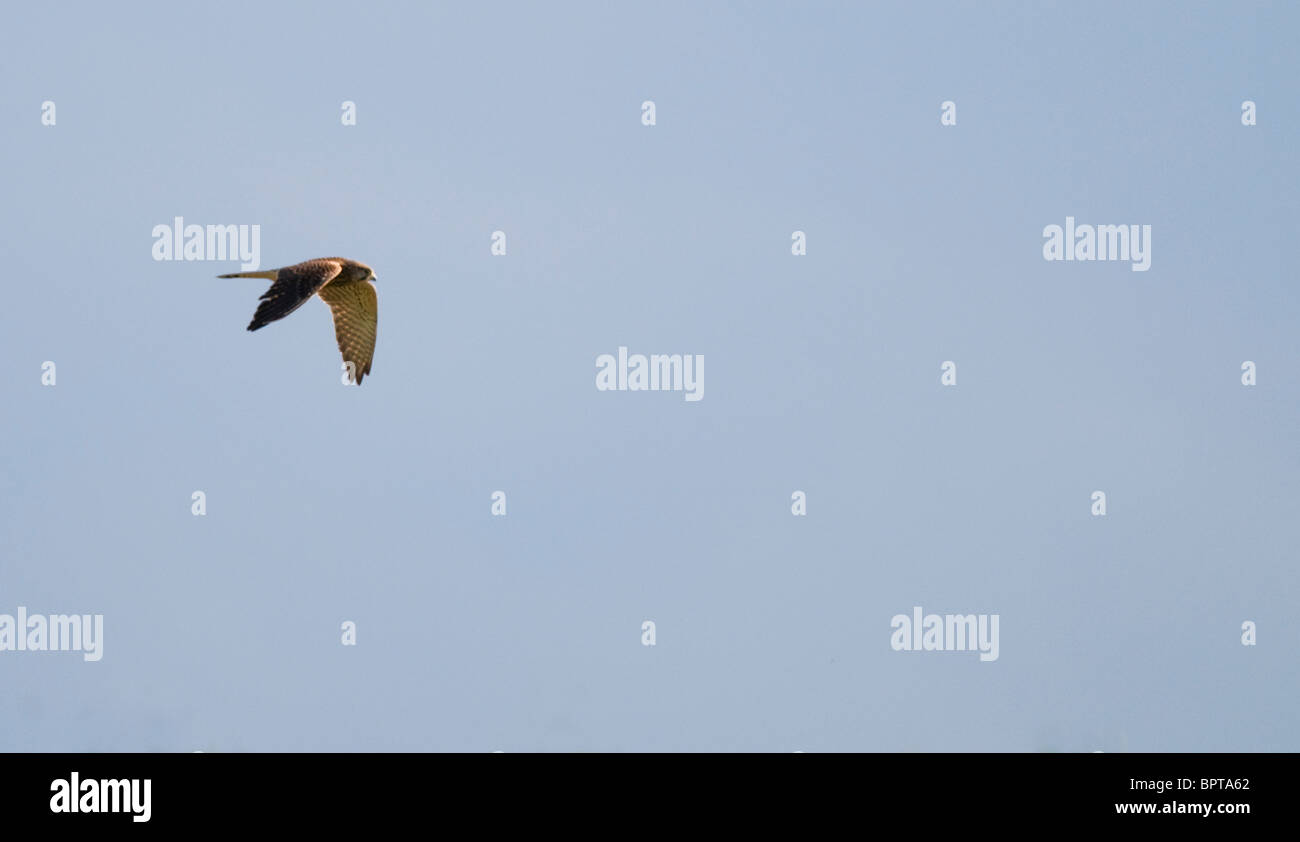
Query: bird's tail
{"type": "Point", "coordinates": [268, 274]}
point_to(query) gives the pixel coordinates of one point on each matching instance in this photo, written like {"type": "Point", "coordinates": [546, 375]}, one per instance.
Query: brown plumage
{"type": "Point", "coordinates": [347, 286]}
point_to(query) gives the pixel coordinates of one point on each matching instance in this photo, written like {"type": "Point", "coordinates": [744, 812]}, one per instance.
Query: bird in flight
{"type": "Point", "coordinates": [347, 286]}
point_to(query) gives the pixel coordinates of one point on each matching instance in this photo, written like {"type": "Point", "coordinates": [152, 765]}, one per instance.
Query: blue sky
{"type": "Point", "coordinates": [523, 632]}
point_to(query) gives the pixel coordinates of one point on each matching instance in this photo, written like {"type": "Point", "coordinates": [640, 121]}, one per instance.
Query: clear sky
{"type": "Point", "coordinates": [328, 504]}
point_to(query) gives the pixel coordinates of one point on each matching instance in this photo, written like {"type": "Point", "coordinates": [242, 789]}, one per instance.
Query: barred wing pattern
{"type": "Point", "coordinates": [356, 315]}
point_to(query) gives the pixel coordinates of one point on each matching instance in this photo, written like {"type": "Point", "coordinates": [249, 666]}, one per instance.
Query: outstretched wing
{"type": "Point", "coordinates": [356, 313]}
{"type": "Point", "coordinates": [293, 286]}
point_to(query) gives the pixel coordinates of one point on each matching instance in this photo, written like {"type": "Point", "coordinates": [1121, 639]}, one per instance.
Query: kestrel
{"type": "Point", "coordinates": [346, 285]}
